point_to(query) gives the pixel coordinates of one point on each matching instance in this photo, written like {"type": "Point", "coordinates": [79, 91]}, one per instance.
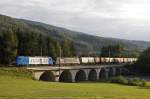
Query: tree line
{"type": "Point", "coordinates": [16, 41]}
{"type": "Point", "coordinates": [142, 66]}
{"type": "Point", "coordinates": [117, 51]}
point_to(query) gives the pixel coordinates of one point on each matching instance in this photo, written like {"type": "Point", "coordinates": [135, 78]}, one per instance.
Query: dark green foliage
{"type": "Point", "coordinates": [118, 50]}
{"type": "Point", "coordinates": [131, 81]}
{"type": "Point", "coordinates": [143, 63]}
{"type": "Point", "coordinates": [126, 81]}
{"type": "Point", "coordinates": [37, 44]}
{"type": "Point", "coordinates": [112, 51]}
{"type": "Point", "coordinates": [67, 48]}
{"type": "Point", "coordinates": [120, 80]}
{"type": "Point", "coordinates": [136, 82]}
{"type": "Point", "coordinates": [19, 39]}
{"type": "Point", "coordinates": [8, 46]}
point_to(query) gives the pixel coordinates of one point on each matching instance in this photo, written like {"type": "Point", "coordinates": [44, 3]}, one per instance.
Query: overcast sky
{"type": "Point", "coordinates": [128, 19]}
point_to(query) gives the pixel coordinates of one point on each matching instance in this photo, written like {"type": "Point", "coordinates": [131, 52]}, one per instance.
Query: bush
{"type": "Point", "coordinates": [136, 82]}
{"type": "Point", "coordinates": [120, 80]}
{"type": "Point", "coordinates": [132, 81]}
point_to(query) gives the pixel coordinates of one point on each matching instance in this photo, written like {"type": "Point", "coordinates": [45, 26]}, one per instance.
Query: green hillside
{"type": "Point", "coordinates": [83, 43]}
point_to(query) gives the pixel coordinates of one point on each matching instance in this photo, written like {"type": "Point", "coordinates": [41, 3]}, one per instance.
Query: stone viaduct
{"type": "Point", "coordinates": [75, 73]}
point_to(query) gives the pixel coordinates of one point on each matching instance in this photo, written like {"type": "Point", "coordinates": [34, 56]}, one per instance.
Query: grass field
{"type": "Point", "coordinates": [14, 84]}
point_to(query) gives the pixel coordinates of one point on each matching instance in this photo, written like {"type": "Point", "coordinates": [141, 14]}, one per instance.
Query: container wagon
{"type": "Point", "coordinates": [67, 61]}
{"type": "Point", "coordinates": [84, 60]}
{"type": "Point", "coordinates": [97, 60]}
{"type": "Point", "coordinates": [87, 60]}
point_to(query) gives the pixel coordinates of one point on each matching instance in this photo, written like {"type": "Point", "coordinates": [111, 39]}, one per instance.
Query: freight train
{"type": "Point", "coordinates": [93, 60]}
{"type": "Point", "coordinates": [27, 60]}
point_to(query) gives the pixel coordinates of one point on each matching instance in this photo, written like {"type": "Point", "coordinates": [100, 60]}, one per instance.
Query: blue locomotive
{"type": "Point", "coordinates": [27, 60]}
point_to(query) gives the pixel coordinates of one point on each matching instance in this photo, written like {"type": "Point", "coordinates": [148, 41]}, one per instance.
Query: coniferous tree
{"type": "Point", "coordinates": [8, 49]}
{"type": "Point", "coordinates": [143, 63]}
{"type": "Point", "coordinates": [112, 51]}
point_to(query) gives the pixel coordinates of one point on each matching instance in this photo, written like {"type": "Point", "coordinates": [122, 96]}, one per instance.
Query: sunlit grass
{"type": "Point", "coordinates": [21, 85]}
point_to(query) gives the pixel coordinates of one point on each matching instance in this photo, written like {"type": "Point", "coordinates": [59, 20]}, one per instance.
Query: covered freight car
{"type": "Point", "coordinates": [97, 60]}
{"type": "Point", "coordinates": [27, 60]}
{"type": "Point", "coordinates": [87, 60]}
{"type": "Point", "coordinates": [84, 60]}
{"type": "Point", "coordinates": [67, 61]}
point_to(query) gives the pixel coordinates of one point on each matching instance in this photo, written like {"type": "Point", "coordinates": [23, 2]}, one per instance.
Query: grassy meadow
{"type": "Point", "coordinates": [18, 83]}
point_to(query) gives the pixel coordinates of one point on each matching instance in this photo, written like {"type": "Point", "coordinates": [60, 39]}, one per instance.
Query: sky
{"type": "Point", "coordinates": [126, 19]}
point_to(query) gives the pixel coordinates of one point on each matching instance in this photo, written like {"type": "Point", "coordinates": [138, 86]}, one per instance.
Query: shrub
{"type": "Point", "coordinates": [136, 82]}
{"type": "Point", "coordinates": [132, 81]}
{"type": "Point", "coordinates": [125, 81]}
{"type": "Point", "coordinates": [120, 80]}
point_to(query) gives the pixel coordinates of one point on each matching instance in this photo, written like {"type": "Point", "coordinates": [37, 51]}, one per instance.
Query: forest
{"type": "Point", "coordinates": [17, 39]}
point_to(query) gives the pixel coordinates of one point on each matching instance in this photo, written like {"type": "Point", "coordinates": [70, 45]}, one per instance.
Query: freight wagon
{"type": "Point", "coordinates": [68, 60]}
{"type": "Point", "coordinates": [104, 60]}
{"type": "Point", "coordinates": [97, 60]}
{"type": "Point", "coordinates": [84, 60]}
{"type": "Point", "coordinates": [27, 60]}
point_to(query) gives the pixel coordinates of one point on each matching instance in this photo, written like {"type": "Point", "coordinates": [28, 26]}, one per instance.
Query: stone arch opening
{"type": "Point", "coordinates": [118, 71]}
{"type": "Point", "coordinates": [102, 73]}
{"type": "Point", "coordinates": [65, 76]}
{"type": "Point", "coordinates": [80, 76]}
{"type": "Point", "coordinates": [92, 75]}
{"type": "Point", "coordinates": [47, 76]}
{"type": "Point", "coordinates": [111, 72]}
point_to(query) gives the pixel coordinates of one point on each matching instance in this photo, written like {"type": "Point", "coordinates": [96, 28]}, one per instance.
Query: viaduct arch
{"type": "Point", "coordinates": [103, 73]}
{"type": "Point", "coordinates": [47, 76]}
{"type": "Point", "coordinates": [65, 76]}
{"type": "Point", "coordinates": [92, 75]}
{"type": "Point", "coordinates": [80, 76]}
{"type": "Point", "coordinates": [76, 74]}
{"type": "Point", "coordinates": [111, 72]}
